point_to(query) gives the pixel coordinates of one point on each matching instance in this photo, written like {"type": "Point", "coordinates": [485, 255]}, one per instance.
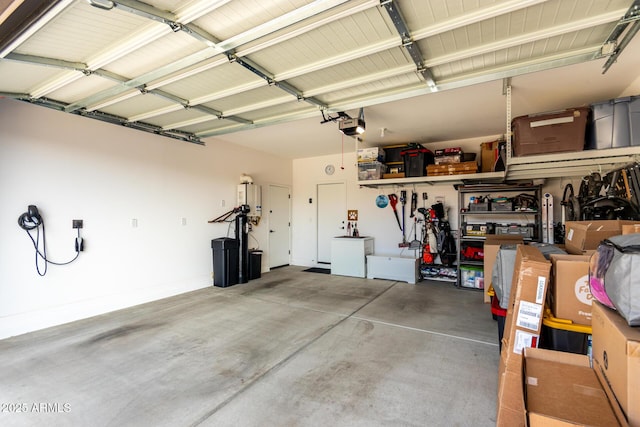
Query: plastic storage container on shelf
{"type": "Point", "coordinates": [472, 276]}
{"type": "Point", "coordinates": [616, 123]}
{"type": "Point", "coordinates": [553, 132]}
{"type": "Point", "coordinates": [416, 161]}
{"type": "Point", "coordinates": [564, 335]}
{"type": "Point", "coordinates": [392, 152]}
{"type": "Point", "coordinates": [370, 170]}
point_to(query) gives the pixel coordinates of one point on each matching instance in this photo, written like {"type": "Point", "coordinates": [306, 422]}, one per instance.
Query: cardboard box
{"type": "Point", "coordinates": [491, 247]}
{"type": "Point", "coordinates": [631, 229]}
{"type": "Point", "coordinates": [560, 389]}
{"type": "Point", "coordinates": [370, 154]}
{"type": "Point", "coordinates": [570, 296]}
{"type": "Point", "coordinates": [521, 329]}
{"type": "Point", "coordinates": [526, 300]}
{"type": "Point", "coordinates": [616, 358]}
{"type": "Point", "coordinates": [452, 169]}
{"type": "Point", "coordinates": [488, 155]}
{"type": "Point", "coordinates": [392, 175]}
{"type": "Point", "coordinates": [582, 236]}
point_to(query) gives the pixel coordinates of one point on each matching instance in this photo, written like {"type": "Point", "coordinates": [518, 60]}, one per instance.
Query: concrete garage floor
{"type": "Point", "coordinates": [289, 349]}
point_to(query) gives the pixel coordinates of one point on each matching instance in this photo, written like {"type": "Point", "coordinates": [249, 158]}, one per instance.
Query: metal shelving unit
{"type": "Point", "coordinates": [482, 217]}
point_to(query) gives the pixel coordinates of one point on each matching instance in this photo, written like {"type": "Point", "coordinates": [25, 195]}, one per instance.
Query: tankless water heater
{"type": "Point", "coordinates": [251, 194]}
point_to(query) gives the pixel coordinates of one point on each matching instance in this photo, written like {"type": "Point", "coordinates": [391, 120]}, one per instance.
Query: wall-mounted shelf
{"type": "Point", "coordinates": [477, 178]}
{"type": "Point", "coordinates": [574, 164]}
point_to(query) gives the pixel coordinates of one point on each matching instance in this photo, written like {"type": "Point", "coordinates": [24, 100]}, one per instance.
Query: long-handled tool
{"type": "Point", "coordinates": [393, 200]}
{"type": "Point", "coordinates": [414, 204]}
{"type": "Point", "coordinates": [415, 243]}
{"type": "Point", "coordinates": [403, 200]}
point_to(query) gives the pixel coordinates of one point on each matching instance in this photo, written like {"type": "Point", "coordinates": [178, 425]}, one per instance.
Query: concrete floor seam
{"type": "Point", "coordinates": [315, 310]}
{"type": "Point", "coordinates": [410, 328]}
{"type": "Point", "coordinates": [286, 359]}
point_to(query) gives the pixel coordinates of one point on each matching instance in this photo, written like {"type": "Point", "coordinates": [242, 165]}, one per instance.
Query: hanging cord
{"type": "Point", "coordinates": [43, 254]}
{"type": "Point", "coordinates": [342, 163]}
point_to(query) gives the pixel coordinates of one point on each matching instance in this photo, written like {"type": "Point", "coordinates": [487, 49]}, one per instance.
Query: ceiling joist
{"type": "Point", "coordinates": [329, 55]}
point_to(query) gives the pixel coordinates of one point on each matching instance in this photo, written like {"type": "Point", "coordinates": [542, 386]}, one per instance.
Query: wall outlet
{"type": "Point", "coordinates": [77, 223]}
{"type": "Point", "coordinates": [134, 222]}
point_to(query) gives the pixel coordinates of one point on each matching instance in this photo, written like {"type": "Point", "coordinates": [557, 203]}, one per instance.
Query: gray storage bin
{"type": "Point", "coordinates": [615, 124]}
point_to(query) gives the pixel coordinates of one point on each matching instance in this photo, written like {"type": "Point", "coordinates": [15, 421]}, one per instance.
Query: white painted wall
{"type": "Point", "coordinates": [75, 168]}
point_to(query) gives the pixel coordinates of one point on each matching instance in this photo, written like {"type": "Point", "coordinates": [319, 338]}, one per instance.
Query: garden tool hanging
{"type": "Point", "coordinates": [393, 200]}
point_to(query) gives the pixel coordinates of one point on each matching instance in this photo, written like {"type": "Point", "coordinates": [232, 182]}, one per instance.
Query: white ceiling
{"type": "Point", "coordinates": [260, 74]}
{"type": "Point", "coordinates": [474, 111]}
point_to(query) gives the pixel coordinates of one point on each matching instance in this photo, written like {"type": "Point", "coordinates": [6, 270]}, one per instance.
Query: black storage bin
{"type": "Point", "coordinates": [225, 261]}
{"type": "Point", "coordinates": [416, 161]}
{"type": "Point", "coordinates": [255, 264]}
{"type": "Point", "coordinates": [393, 153]}
{"type": "Point", "coordinates": [563, 335]}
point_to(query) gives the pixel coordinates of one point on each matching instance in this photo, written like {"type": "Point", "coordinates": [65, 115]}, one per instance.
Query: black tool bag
{"type": "Point", "coordinates": [614, 275]}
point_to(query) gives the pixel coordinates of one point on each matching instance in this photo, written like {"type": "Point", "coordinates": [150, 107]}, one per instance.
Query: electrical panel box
{"type": "Point", "coordinates": [251, 194]}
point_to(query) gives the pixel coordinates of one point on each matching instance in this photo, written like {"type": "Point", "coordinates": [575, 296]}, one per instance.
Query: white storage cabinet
{"type": "Point", "coordinates": [405, 269]}
{"type": "Point", "coordinates": [348, 255]}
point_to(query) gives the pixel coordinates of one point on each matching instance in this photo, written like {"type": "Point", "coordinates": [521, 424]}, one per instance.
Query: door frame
{"type": "Point", "coordinates": [288, 188]}
{"type": "Point", "coordinates": [317, 225]}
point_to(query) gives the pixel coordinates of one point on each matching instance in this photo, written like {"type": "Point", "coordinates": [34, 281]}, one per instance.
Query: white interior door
{"type": "Point", "coordinates": [279, 226]}
{"type": "Point", "coordinates": [332, 217]}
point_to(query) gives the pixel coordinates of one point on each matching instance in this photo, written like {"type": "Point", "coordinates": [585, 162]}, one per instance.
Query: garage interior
{"type": "Point", "coordinates": [142, 119]}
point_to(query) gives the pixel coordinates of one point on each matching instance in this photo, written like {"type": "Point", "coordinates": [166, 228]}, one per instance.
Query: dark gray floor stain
{"type": "Point", "coordinates": [121, 332]}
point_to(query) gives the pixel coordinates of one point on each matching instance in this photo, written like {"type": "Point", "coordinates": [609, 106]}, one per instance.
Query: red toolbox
{"type": "Point", "coordinates": [555, 132]}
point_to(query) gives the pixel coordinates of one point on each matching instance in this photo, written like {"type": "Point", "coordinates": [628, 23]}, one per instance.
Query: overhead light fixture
{"type": "Point", "coordinates": [352, 127]}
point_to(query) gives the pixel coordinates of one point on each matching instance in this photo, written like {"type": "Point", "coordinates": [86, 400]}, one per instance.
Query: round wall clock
{"type": "Point", "coordinates": [329, 169]}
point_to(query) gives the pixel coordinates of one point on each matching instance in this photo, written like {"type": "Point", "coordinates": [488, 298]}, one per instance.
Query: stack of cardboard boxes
{"type": "Point", "coordinates": [547, 387]}
{"type": "Point", "coordinates": [521, 329]}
